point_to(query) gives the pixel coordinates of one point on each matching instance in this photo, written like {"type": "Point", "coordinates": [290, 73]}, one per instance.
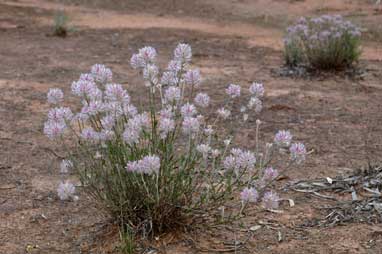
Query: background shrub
{"type": "Point", "coordinates": [326, 42]}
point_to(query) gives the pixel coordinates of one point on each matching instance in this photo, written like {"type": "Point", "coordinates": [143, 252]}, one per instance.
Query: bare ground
{"type": "Point", "coordinates": [337, 116]}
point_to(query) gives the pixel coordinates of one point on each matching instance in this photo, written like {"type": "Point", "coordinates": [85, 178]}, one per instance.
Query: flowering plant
{"type": "Point", "coordinates": [326, 42]}
{"type": "Point", "coordinates": [153, 167]}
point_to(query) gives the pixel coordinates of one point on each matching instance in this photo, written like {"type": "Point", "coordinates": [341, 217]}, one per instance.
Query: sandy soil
{"type": "Point", "coordinates": [233, 41]}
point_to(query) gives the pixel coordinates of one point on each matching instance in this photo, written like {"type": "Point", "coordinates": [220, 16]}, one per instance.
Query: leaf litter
{"type": "Point", "coordinates": [353, 198]}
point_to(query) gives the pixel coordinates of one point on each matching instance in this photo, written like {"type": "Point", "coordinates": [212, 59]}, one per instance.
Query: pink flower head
{"type": "Point", "coordinates": [169, 78]}
{"type": "Point", "coordinates": [93, 107]}
{"type": "Point", "coordinates": [143, 119]}
{"type": "Point", "coordinates": [130, 110]}
{"type": "Point", "coordinates": [183, 53]}
{"type": "Point", "coordinates": [145, 56]}
{"type": "Point", "coordinates": [209, 130]}
{"type": "Point", "coordinates": [150, 164]}
{"type": "Point", "coordinates": [236, 152]}
{"type": "Point", "coordinates": [134, 123]}
{"type": "Point", "coordinates": [115, 92]}
{"type": "Point", "coordinates": [204, 149]}
{"type": "Point", "coordinates": [54, 129]}
{"type": "Point", "coordinates": [87, 77]}
{"type": "Point", "coordinates": [86, 88]}
{"type": "Point", "coordinates": [190, 125]}
{"type": "Point", "coordinates": [255, 103]}
{"type": "Point", "coordinates": [229, 162]}
{"type": "Point", "coordinates": [202, 100]}
{"type": "Point", "coordinates": [257, 89]}
{"type": "Point", "coordinates": [147, 165]}
{"type": "Point", "coordinates": [106, 135]}
{"type": "Point", "coordinates": [89, 134]}
{"type": "Point", "coordinates": [61, 114]}
{"type": "Point", "coordinates": [108, 122]}
{"type": "Point", "coordinates": [193, 78]}
{"type": "Point", "coordinates": [233, 90]}
{"type": "Point", "coordinates": [131, 135]}
{"type": "Point", "coordinates": [270, 174]}
{"type": "Point", "coordinates": [224, 113]}
{"type": "Point", "coordinates": [166, 113]}
{"type": "Point", "coordinates": [166, 125]}
{"type": "Point", "coordinates": [249, 195]}
{"type": "Point", "coordinates": [150, 73]}
{"type": "Point", "coordinates": [65, 166]}
{"type": "Point", "coordinates": [174, 66]}
{"type": "Point", "coordinates": [239, 160]}
{"type": "Point", "coordinates": [66, 191]}
{"type": "Point", "coordinates": [246, 160]}
{"type": "Point", "coordinates": [298, 152]}
{"type": "Point", "coordinates": [101, 74]}
{"type": "Point", "coordinates": [215, 153]}
{"type": "Point", "coordinates": [172, 94]}
{"type": "Point", "coordinates": [148, 55]}
{"type": "Point", "coordinates": [132, 166]}
{"type": "Point", "coordinates": [137, 61]}
{"type": "Point", "coordinates": [55, 96]}
{"type": "Point", "coordinates": [283, 138]}
{"type": "Point", "coordinates": [188, 110]}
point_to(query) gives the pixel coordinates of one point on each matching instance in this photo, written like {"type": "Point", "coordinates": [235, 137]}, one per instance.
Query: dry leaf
{"type": "Point", "coordinates": [254, 228]}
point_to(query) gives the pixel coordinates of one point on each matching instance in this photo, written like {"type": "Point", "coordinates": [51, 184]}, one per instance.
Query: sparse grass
{"type": "Point", "coordinates": [61, 28]}
{"type": "Point", "coordinates": [127, 241]}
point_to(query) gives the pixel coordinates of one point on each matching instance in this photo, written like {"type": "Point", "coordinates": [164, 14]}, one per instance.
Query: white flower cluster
{"type": "Point", "coordinates": [270, 199]}
{"type": "Point", "coordinates": [283, 139]}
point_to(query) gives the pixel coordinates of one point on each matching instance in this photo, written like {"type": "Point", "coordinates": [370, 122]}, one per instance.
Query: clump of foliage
{"type": "Point", "coordinates": [172, 160]}
{"type": "Point", "coordinates": [61, 27]}
{"type": "Point", "coordinates": [326, 42]}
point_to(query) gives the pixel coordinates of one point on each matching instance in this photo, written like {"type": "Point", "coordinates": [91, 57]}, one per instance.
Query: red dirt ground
{"type": "Point", "coordinates": [233, 41]}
